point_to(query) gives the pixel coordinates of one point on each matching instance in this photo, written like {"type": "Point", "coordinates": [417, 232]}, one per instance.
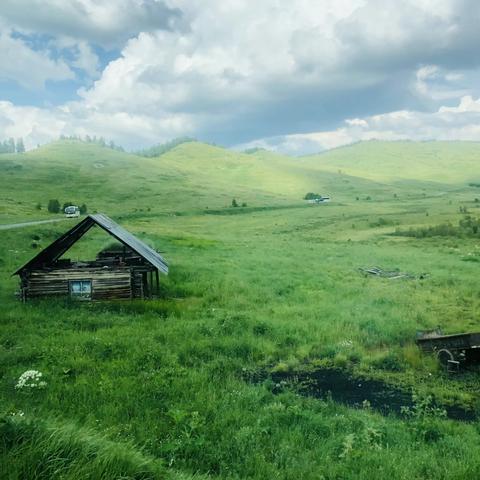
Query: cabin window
{"type": "Point", "coordinates": [81, 289]}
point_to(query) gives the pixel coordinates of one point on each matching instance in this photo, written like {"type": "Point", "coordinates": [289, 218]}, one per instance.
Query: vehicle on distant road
{"type": "Point", "coordinates": [72, 211]}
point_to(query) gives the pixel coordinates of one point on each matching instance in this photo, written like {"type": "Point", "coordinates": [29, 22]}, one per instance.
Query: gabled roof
{"type": "Point", "coordinates": [56, 249]}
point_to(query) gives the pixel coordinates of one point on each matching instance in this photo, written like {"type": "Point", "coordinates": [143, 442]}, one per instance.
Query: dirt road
{"type": "Point", "coordinates": [28, 224]}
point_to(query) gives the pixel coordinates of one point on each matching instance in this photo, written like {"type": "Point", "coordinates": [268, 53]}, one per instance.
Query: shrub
{"type": "Point", "coordinates": [390, 362]}
{"type": "Point", "coordinates": [340, 361]}
{"type": "Point", "coordinates": [260, 329]}
{"type": "Point", "coordinates": [425, 416]}
{"type": "Point", "coordinates": [312, 196]}
{"type": "Point", "coordinates": [467, 227]}
{"type": "Point", "coordinates": [354, 357]}
{"type": "Point", "coordinates": [323, 351]}
{"type": "Point", "coordinates": [53, 206]}
{"type": "Point", "coordinates": [382, 222]}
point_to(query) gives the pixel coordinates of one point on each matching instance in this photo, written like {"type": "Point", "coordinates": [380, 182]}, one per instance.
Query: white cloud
{"type": "Point", "coordinates": [241, 62]}
{"type": "Point", "coordinates": [467, 104]}
{"type": "Point", "coordinates": [437, 84]}
{"type": "Point", "coordinates": [236, 69]}
{"type": "Point", "coordinates": [104, 22]}
{"type": "Point", "coordinates": [29, 68]}
{"type": "Point", "coordinates": [86, 59]}
{"type": "Point", "coordinates": [35, 125]}
{"type": "Point", "coordinates": [447, 123]}
{"type": "Point", "coordinates": [41, 125]}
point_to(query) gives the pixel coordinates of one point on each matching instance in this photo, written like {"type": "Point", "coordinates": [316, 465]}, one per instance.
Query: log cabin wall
{"type": "Point", "coordinates": [138, 288]}
{"type": "Point", "coordinates": [114, 283]}
{"type": "Point", "coordinates": [131, 272]}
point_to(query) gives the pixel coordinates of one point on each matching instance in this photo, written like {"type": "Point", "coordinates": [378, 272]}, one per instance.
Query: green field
{"type": "Point", "coordinates": [163, 389]}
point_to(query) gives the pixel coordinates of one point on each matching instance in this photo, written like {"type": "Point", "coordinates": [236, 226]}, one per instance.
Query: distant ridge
{"type": "Point", "coordinates": [195, 176]}
{"type": "Point", "coordinates": [161, 148]}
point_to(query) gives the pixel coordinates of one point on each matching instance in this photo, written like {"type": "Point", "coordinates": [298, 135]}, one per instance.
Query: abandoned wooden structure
{"type": "Point", "coordinates": [451, 350]}
{"type": "Point", "coordinates": [132, 272]}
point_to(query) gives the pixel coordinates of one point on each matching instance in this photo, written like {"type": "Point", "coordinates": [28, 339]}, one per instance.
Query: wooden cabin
{"type": "Point", "coordinates": [126, 273]}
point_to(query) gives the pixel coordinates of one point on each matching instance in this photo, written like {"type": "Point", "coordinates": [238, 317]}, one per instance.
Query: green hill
{"type": "Point", "coordinates": [445, 162]}
{"type": "Point", "coordinates": [196, 176]}
{"type": "Point", "coordinates": [192, 176]}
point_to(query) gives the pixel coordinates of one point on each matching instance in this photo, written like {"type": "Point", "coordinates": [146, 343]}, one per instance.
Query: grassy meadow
{"type": "Point", "coordinates": [162, 388]}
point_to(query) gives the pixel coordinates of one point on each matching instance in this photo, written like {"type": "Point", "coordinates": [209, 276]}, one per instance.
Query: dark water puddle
{"type": "Point", "coordinates": [354, 391]}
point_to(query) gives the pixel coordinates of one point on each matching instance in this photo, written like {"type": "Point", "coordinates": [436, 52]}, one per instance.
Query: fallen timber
{"type": "Point", "coordinates": [390, 274]}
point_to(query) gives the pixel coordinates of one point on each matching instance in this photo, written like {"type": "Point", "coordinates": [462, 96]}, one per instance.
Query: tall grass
{"type": "Point", "coordinates": [157, 389]}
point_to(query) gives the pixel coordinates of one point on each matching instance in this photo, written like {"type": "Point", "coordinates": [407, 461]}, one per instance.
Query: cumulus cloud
{"type": "Point", "coordinates": [437, 84]}
{"type": "Point", "coordinates": [40, 125]}
{"type": "Point", "coordinates": [29, 68]}
{"type": "Point", "coordinates": [234, 71]}
{"type": "Point", "coordinates": [35, 125]}
{"type": "Point", "coordinates": [86, 59]}
{"type": "Point", "coordinates": [244, 70]}
{"type": "Point", "coordinates": [461, 122]}
{"type": "Point", "coordinates": [104, 22]}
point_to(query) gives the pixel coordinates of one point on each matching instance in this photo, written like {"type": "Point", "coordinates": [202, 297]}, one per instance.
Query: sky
{"type": "Point", "coordinates": [296, 77]}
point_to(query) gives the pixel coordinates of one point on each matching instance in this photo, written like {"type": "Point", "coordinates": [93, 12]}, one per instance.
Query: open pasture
{"type": "Point", "coordinates": [160, 388]}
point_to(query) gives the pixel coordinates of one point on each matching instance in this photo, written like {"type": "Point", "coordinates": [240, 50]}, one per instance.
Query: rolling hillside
{"type": "Point", "coordinates": [196, 176]}
{"type": "Point", "coordinates": [172, 388]}
{"type": "Point", "coordinates": [443, 162]}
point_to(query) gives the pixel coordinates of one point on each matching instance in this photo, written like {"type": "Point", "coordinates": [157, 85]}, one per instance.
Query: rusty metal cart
{"type": "Point", "coordinates": [451, 350]}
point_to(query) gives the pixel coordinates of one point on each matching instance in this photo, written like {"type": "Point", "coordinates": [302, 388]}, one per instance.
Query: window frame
{"type": "Point", "coordinates": [80, 295]}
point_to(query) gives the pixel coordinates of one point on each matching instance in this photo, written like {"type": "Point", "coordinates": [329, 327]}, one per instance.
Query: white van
{"type": "Point", "coordinates": [72, 211]}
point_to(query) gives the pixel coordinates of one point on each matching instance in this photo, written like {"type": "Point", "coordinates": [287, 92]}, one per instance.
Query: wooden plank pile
{"type": "Point", "coordinates": [390, 274]}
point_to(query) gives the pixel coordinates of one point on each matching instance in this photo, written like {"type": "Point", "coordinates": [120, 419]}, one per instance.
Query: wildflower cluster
{"type": "Point", "coordinates": [17, 414]}
{"type": "Point", "coordinates": [30, 379]}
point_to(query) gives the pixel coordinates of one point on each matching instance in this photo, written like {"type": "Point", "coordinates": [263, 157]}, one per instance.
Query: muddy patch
{"type": "Point", "coordinates": [354, 391]}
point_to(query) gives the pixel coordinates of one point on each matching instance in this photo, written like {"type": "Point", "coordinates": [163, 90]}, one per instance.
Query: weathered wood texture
{"type": "Point", "coordinates": [117, 273]}
{"type": "Point", "coordinates": [459, 341]}
{"type": "Point", "coordinates": [137, 285]}
{"type": "Point", "coordinates": [106, 283]}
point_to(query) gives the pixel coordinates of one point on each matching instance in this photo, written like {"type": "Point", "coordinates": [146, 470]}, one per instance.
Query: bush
{"type": "Point", "coordinates": [467, 227]}
{"type": "Point", "coordinates": [425, 418]}
{"type": "Point", "coordinates": [53, 206]}
{"type": "Point", "coordinates": [390, 362]}
{"type": "Point", "coordinates": [312, 196]}
{"type": "Point", "coordinates": [382, 222]}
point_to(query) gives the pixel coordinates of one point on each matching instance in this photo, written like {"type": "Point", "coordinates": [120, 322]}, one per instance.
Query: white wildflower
{"type": "Point", "coordinates": [30, 379]}
{"type": "Point", "coordinates": [17, 414]}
